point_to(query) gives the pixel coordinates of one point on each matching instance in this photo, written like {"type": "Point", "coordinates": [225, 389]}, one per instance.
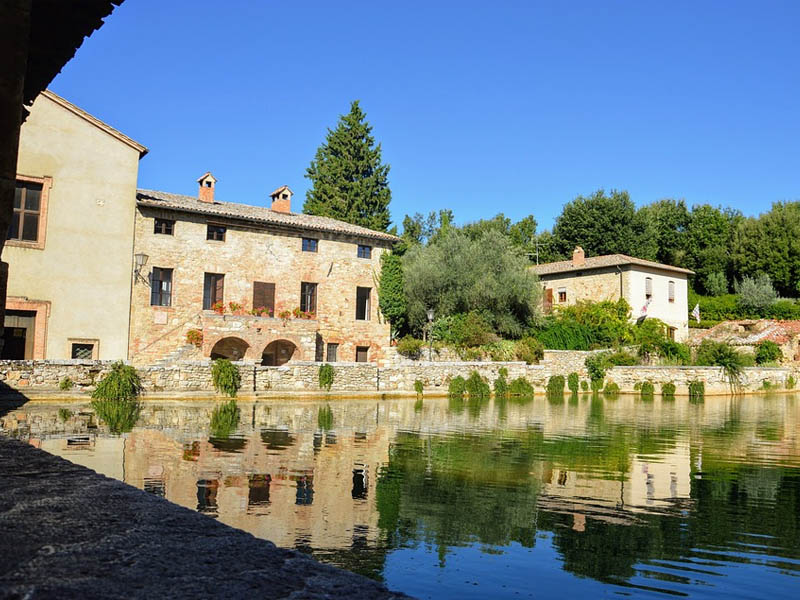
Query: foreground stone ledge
{"type": "Point", "coordinates": [68, 532]}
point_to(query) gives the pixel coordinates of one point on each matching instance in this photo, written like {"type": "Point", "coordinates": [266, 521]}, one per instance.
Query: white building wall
{"type": "Point", "coordinates": [674, 314]}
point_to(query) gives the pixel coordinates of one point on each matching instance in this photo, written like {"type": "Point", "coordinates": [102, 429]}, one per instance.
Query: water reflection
{"type": "Point", "coordinates": [466, 498]}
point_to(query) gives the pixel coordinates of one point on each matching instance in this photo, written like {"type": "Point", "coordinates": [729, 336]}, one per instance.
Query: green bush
{"type": "Point", "coordinates": [587, 325]}
{"type": "Point", "coordinates": [768, 351]}
{"type": "Point", "coordinates": [226, 377]}
{"type": "Point", "coordinates": [649, 335]}
{"type": "Point", "coordinates": [565, 335]}
{"type": "Point", "coordinates": [790, 383]}
{"type": "Point", "coordinates": [325, 418]}
{"type": "Point", "coordinates": [697, 391]}
{"type": "Point", "coordinates": [611, 390]}
{"type": "Point", "coordinates": [647, 391]}
{"type": "Point", "coordinates": [64, 414]}
{"type": "Point", "coordinates": [457, 386]}
{"type": "Point", "coordinates": [410, 347]}
{"type": "Point", "coordinates": [573, 381]}
{"type": "Point", "coordinates": [466, 330]}
{"type": "Point", "coordinates": [501, 384]}
{"type": "Point", "coordinates": [418, 387]}
{"type": "Point", "coordinates": [325, 376]}
{"type": "Point", "coordinates": [121, 383]}
{"type": "Point", "coordinates": [668, 390]}
{"type": "Point", "coordinates": [675, 353]}
{"type": "Point", "coordinates": [596, 385]}
{"type": "Point", "coordinates": [598, 363]}
{"type": "Point", "coordinates": [529, 349]}
{"type": "Point", "coordinates": [477, 387]}
{"type": "Point", "coordinates": [767, 385]}
{"type": "Point", "coordinates": [501, 351]}
{"type": "Point", "coordinates": [224, 419]}
{"type": "Point", "coordinates": [719, 354]}
{"type": "Point", "coordinates": [555, 386]}
{"type": "Point", "coordinates": [756, 293]}
{"type": "Point", "coordinates": [520, 387]}
{"type": "Point", "coordinates": [584, 385]}
{"type": "Point", "coordinates": [783, 310]}
{"type": "Point", "coordinates": [66, 384]}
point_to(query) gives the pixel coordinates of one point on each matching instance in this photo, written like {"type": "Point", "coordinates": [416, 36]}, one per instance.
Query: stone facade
{"type": "Point", "coordinates": [254, 252]}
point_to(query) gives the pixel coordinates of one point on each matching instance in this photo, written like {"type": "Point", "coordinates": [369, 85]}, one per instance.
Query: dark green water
{"type": "Point", "coordinates": [451, 499]}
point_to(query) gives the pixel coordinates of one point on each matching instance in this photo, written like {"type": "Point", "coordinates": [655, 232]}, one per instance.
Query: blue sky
{"type": "Point", "coordinates": [482, 107]}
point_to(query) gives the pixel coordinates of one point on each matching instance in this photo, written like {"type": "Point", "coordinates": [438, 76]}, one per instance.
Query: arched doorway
{"type": "Point", "coordinates": [231, 348]}
{"type": "Point", "coordinates": [278, 353]}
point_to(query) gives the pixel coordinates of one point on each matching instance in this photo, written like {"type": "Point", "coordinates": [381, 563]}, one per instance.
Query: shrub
{"type": "Point", "coordinates": [611, 390]}
{"type": "Point", "coordinates": [719, 354]}
{"type": "Point", "coordinates": [121, 383]}
{"type": "Point", "coordinates": [224, 419]}
{"type": "Point", "coordinates": [756, 293]}
{"type": "Point", "coordinates": [597, 364]}
{"type": "Point", "coordinates": [194, 337]}
{"type": "Point", "coordinates": [457, 386]}
{"type": "Point", "coordinates": [621, 358]}
{"type": "Point", "coordinates": [520, 387]}
{"type": "Point", "coordinates": [501, 384]}
{"type": "Point", "coordinates": [649, 335]}
{"type": "Point", "coordinates": [470, 354]}
{"type": "Point", "coordinates": [572, 382]}
{"type": "Point", "coordinates": [418, 387]}
{"type": "Point", "coordinates": [716, 283]}
{"type": "Point", "coordinates": [410, 347]}
{"type": "Point", "coordinates": [565, 335]}
{"type": "Point", "coordinates": [768, 351]}
{"type": "Point", "coordinates": [675, 352]}
{"type": "Point", "coordinates": [637, 386]}
{"type": "Point", "coordinates": [65, 384]}
{"type": "Point", "coordinates": [225, 377]}
{"type": "Point", "coordinates": [697, 391]}
{"type": "Point", "coordinates": [668, 390]}
{"type": "Point", "coordinates": [476, 386]}
{"type": "Point", "coordinates": [555, 386]}
{"type": "Point", "coordinates": [596, 385]}
{"type": "Point", "coordinates": [790, 382]}
{"type": "Point", "coordinates": [599, 324]}
{"type": "Point", "coordinates": [647, 390]}
{"type": "Point", "coordinates": [529, 349]}
{"type": "Point", "coordinates": [767, 385]}
{"type": "Point", "coordinates": [464, 329]}
{"type": "Point", "coordinates": [584, 385]}
{"type": "Point", "coordinates": [325, 377]}
{"type": "Point", "coordinates": [64, 414]}
{"type": "Point", "coordinates": [783, 310]}
{"type": "Point", "coordinates": [502, 351]}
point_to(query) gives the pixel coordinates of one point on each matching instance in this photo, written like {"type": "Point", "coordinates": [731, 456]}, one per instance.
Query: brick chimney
{"type": "Point", "coordinates": [206, 191]}
{"type": "Point", "coordinates": [282, 199]}
{"type": "Point", "coordinates": [578, 257]}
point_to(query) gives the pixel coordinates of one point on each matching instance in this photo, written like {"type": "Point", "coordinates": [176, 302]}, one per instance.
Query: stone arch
{"type": "Point", "coordinates": [232, 348]}
{"type": "Point", "coordinates": [278, 352]}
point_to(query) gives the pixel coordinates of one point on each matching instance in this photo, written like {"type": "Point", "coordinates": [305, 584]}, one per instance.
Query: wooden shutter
{"type": "Point", "coordinates": [219, 288]}
{"type": "Point", "coordinates": [264, 295]}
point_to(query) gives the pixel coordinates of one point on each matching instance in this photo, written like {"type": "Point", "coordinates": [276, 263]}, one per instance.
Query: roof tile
{"type": "Point", "coordinates": [599, 262]}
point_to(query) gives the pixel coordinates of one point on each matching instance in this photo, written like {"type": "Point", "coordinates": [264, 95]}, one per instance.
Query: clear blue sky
{"type": "Point", "coordinates": [480, 107]}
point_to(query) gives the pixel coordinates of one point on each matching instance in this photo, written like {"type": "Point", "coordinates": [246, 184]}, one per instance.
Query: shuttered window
{"type": "Point", "coordinates": [333, 351]}
{"type": "Point", "coordinates": [648, 287]}
{"type": "Point", "coordinates": [213, 289]}
{"type": "Point", "coordinates": [361, 353]}
{"type": "Point", "coordinates": [672, 291]}
{"type": "Point", "coordinates": [308, 297]}
{"type": "Point", "coordinates": [264, 296]}
{"type": "Point", "coordinates": [161, 287]}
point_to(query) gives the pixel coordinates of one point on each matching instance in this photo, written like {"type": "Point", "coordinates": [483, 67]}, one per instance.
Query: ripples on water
{"type": "Point", "coordinates": [494, 499]}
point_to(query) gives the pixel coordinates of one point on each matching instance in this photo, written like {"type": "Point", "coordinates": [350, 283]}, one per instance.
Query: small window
{"type": "Point", "coordinates": [24, 226]}
{"type": "Point", "coordinates": [672, 291]}
{"type": "Point", "coordinates": [361, 353]}
{"type": "Point", "coordinates": [562, 294]}
{"type": "Point", "coordinates": [362, 303]}
{"type": "Point", "coordinates": [82, 351]}
{"type": "Point", "coordinates": [648, 288]}
{"type": "Point", "coordinates": [671, 331]}
{"type": "Point", "coordinates": [308, 297]}
{"type": "Point", "coordinates": [161, 287]}
{"type": "Point", "coordinates": [309, 245]}
{"type": "Point", "coordinates": [216, 233]}
{"type": "Point", "coordinates": [164, 227]}
{"type": "Point", "coordinates": [333, 350]}
{"type": "Point", "coordinates": [364, 251]}
{"type": "Point", "coordinates": [213, 289]}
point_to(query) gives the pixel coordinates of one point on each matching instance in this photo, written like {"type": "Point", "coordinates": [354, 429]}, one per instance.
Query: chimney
{"type": "Point", "coordinates": [578, 258]}
{"type": "Point", "coordinates": [282, 199]}
{"type": "Point", "coordinates": [206, 191]}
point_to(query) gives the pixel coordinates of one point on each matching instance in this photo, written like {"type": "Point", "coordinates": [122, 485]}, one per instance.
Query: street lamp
{"type": "Point", "coordinates": [141, 261]}
{"type": "Point", "coordinates": [430, 334]}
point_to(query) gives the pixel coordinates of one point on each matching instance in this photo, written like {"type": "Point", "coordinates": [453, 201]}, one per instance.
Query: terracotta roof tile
{"type": "Point", "coordinates": [749, 332]}
{"type": "Point", "coordinates": [256, 214]}
{"type": "Point", "coordinates": [599, 262]}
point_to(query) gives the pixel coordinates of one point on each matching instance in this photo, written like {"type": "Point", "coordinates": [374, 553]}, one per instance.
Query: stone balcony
{"type": "Point", "coordinates": [266, 340]}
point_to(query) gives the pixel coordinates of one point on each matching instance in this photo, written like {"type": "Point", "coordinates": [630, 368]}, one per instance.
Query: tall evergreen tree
{"type": "Point", "coordinates": [349, 182]}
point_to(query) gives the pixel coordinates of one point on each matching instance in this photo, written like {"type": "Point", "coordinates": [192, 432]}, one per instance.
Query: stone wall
{"type": "Point", "coordinates": [716, 382]}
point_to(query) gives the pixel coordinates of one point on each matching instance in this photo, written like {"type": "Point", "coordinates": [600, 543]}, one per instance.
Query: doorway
{"type": "Point", "coordinates": [18, 333]}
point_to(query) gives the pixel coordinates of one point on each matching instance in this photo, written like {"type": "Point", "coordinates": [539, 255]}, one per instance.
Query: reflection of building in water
{"type": "Point", "coordinates": [104, 455]}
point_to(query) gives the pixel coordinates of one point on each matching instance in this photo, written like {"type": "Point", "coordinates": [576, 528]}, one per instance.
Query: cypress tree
{"type": "Point", "coordinates": [349, 182]}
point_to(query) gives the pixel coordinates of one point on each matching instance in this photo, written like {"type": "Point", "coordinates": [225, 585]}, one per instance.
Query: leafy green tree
{"type": "Point", "coordinates": [716, 283]}
{"type": "Point", "coordinates": [349, 181]}
{"type": "Point", "coordinates": [708, 242]}
{"type": "Point", "coordinates": [391, 297]}
{"type": "Point", "coordinates": [662, 231]}
{"type": "Point", "coordinates": [756, 293]}
{"type": "Point", "coordinates": [600, 223]}
{"type": "Point", "coordinates": [523, 233]}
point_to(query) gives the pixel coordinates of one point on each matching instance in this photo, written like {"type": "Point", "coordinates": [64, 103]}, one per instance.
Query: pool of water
{"type": "Point", "coordinates": [497, 499]}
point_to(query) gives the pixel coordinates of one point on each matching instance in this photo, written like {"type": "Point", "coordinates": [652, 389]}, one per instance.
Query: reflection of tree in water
{"type": "Point", "coordinates": [277, 439]}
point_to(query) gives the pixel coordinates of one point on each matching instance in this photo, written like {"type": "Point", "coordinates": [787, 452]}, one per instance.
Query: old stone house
{"type": "Point", "coordinates": [69, 246]}
{"type": "Point", "coordinates": [652, 289]}
{"type": "Point", "coordinates": [247, 282]}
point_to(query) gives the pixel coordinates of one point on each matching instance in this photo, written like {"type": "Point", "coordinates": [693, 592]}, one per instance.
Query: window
{"type": "Point", "coordinates": [164, 226]}
{"type": "Point", "coordinates": [216, 233]}
{"type": "Point", "coordinates": [24, 225]}
{"type": "Point", "coordinates": [361, 353]}
{"type": "Point", "coordinates": [161, 287]}
{"type": "Point", "coordinates": [264, 296]}
{"type": "Point", "coordinates": [672, 291]}
{"type": "Point", "coordinates": [364, 251]}
{"type": "Point", "coordinates": [648, 288]}
{"type": "Point", "coordinates": [309, 245]}
{"type": "Point", "coordinates": [213, 289]}
{"type": "Point", "coordinates": [362, 303]}
{"type": "Point", "coordinates": [308, 297]}
{"type": "Point", "coordinates": [333, 350]}
{"type": "Point", "coordinates": [80, 349]}
{"type": "Point", "coordinates": [671, 331]}
{"type": "Point", "coordinates": [562, 294]}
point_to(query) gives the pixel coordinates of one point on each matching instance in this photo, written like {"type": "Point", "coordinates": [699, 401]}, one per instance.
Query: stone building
{"type": "Point", "coordinates": [70, 242]}
{"type": "Point", "coordinates": [252, 283]}
{"type": "Point", "coordinates": [652, 289]}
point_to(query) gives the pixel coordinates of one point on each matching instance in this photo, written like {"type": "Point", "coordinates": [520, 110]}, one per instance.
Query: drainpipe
{"type": "Point", "coordinates": [620, 282]}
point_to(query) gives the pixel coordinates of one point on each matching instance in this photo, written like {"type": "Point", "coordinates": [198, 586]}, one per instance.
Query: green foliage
{"type": "Point", "coordinates": [596, 384]}
{"type": "Point", "coordinates": [65, 384]}
{"type": "Point", "coordinates": [410, 347]}
{"type": "Point", "coordinates": [457, 386]}
{"type": "Point", "coordinates": [520, 387]}
{"type": "Point", "coordinates": [716, 283]}
{"type": "Point", "coordinates": [790, 382]}
{"type": "Point", "coordinates": [668, 390]}
{"type": "Point", "coordinates": [418, 387]}
{"type": "Point", "coordinates": [767, 385]}
{"type": "Point", "coordinates": [674, 352]}
{"type": "Point", "coordinates": [558, 334]}
{"type": "Point", "coordinates": [226, 377]}
{"type": "Point", "coordinates": [501, 384]}
{"type": "Point", "coordinates": [598, 363]}
{"type": "Point", "coordinates": [555, 386]}
{"type": "Point", "coordinates": [529, 349]}
{"type": "Point", "coordinates": [348, 180]}
{"type": "Point", "coordinates": [647, 391]}
{"type": "Point", "coordinates": [719, 354]}
{"type": "Point", "coordinates": [611, 390]}
{"type": "Point", "coordinates": [572, 382]}
{"type": "Point", "coordinates": [325, 418]}
{"type": "Point", "coordinates": [121, 383]}
{"type": "Point", "coordinates": [391, 296]}
{"type": "Point", "coordinates": [120, 415]}
{"type": "Point", "coordinates": [756, 293]}
{"type": "Point", "coordinates": [64, 414]}
{"type": "Point", "coordinates": [697, 391]}
{"type": "Point", "coordinates": [224, 419]}
{"type": "Point", "coordinates": [587, 325]}
{"type": "Point", "coordinates": [503, 350]}
{"type": "Point", "coordinates": [768, 351]}
{"type": "Point", "coordinates": [649, 335]}
{"type": "Point", "coordinates": [477, 387]}
{"type": "Point", "coordinates": [325, 376]}
{"type": "Point", "coordinates": [584, 385]}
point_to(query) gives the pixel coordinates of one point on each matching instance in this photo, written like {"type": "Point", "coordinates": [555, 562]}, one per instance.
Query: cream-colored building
{"type": "Point", "coordinates": [652, 289]}
{"type": "Point", "coordinates": [70, 245]}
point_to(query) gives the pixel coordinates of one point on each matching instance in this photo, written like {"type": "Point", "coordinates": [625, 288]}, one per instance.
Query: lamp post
{"type": "Point", "coordinates": [141, 261]}
{"type": "Point", "coordinates": [430, 334]}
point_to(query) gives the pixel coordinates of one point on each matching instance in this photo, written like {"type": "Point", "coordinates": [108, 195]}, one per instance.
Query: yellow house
{"type": "Point", "coordinates": [70, 244]}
